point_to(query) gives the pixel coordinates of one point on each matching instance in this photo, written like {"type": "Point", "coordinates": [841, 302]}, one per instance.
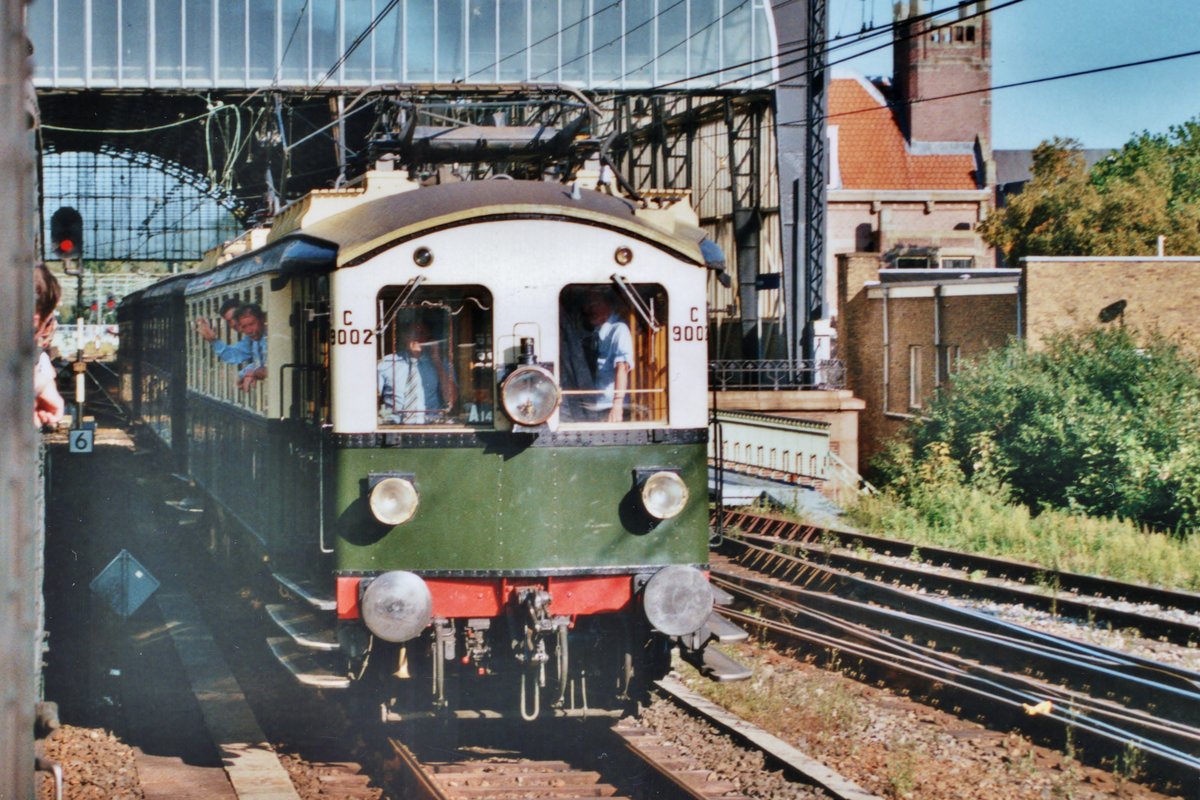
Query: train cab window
{"type": "Point", "coordinates": [434, 356]}
{"type": "Point", "coordinates": [613, 353]}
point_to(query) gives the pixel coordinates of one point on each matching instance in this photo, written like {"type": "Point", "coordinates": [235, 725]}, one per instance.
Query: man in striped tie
{"type": "Point", "coordinates": [415, 386]}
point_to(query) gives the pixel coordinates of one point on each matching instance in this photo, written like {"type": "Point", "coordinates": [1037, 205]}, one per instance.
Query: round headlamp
{"type": "Point", "coordinates": [397, 606]}
{"type": "Point", "coordinates": [530, 395]}
{"type": "Point", "coordinates": [678, 600]}
{"type": "Point", "coordinates": [394, 501]}
{"type": "Point", "coordinates": [664, 494]}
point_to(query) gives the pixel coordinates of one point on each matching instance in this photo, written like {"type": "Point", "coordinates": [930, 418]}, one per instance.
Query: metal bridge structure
{"type": "Point", "coordinates": [205, 116]}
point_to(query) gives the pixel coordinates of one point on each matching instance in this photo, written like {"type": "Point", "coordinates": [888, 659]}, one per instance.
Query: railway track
{"type": "Point", "coordinates": [635, 763]}
{"type": "Point", "coordinates": [1116, 709]}
{"type": "Point", "coordinates": [1125, 606]}
{"type": "Point", "coordinates": [629, 760]}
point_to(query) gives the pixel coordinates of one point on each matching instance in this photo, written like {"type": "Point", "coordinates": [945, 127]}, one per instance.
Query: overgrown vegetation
{"type": "Point", "coordinates": [947, 512]}
{"type": "Point", "coordinates": [1082, 456]}
{"type": "Point", "coordinates": [1096, 422]}
{"type": "Point", "coordinates": [1150, 187]}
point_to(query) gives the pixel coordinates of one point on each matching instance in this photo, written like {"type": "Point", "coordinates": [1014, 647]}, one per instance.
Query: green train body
{"type": "Point", "coordinates": [509, 542]}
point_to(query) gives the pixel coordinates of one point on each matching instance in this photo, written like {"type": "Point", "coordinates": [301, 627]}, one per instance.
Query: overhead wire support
{"type": "Point", "coordinates": [814, 196]}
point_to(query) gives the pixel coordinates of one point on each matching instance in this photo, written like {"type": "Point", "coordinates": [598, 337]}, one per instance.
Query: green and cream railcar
{"type": "Point", "coordinates": [432, 460]}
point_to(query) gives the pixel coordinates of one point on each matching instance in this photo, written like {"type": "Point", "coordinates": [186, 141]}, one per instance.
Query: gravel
{"type": "Point", "coordinates": [1122, 640]}
{"type": "Point", "coordinates": [742, 767]}
{"type": "Point", "coordinates": [96, 766]}
{"type": "Point", "coordinates": [896, 747]}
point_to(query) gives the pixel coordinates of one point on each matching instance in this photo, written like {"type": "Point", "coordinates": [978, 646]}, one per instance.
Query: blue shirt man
{"type": "Point", "coordinates": [415, 385]}
{"type": "Point", "coordinates": [252, 325]}
{"type": "Point", "coordinates": [403, 397]}
{"type": "Point", "coordinates": [614, 357]}
{"type": "Point", "coordinates": [249, 352]}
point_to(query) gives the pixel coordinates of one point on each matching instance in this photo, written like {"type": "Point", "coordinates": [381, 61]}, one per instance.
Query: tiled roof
{"type": "Point", "coordinates": [871, 150]}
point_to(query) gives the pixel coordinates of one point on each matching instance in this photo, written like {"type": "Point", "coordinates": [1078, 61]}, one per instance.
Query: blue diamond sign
{"type": "Point", "coordinates": [125, 584]}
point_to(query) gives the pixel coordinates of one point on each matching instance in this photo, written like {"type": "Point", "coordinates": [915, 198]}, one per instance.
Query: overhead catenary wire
{"type": "Point", "coordinates": [1014, 84]}
{"type": "Point", "coordinates": [889, 43]}
{"type": "Point", "coordinates": [829, 44]}
{"type": "Point", "coordinates": [358, 40]}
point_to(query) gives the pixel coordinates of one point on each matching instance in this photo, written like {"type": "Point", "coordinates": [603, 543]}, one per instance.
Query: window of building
{"type": "Point", "coordinates": [953, 358]}
{"type": "Point", "coordinates": [613, 353]}
{"type": "Point", "coordinates": [434, 356]}
{"type": "Point", "coordinates": [914, 376]}
{"type": "Point", "coordinates": [958, 262]}
{"type": "Point", "coordinates": [913, 262]}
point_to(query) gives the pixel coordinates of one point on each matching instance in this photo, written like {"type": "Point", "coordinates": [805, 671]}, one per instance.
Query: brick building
{"type": "Point", "coordinates": [905, 332]}
{"type": "Point", "coordinates": [910, 178]}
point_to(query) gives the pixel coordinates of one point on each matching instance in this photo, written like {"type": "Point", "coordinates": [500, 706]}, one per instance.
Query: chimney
{"type": "Point", "coordinates": [937, 57]}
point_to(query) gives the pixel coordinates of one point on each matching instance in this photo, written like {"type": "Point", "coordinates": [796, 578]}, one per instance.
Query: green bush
{"type": "Point", "coordinates": [1095, 423]}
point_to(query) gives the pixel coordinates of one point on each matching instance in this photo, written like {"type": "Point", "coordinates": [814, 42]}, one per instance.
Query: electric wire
{"type": "Point", "coordinates": [617, 38]}
{"type": "Point", "coordinates": [1013, 85]}
{"type": "Point", "coordinates": [287, 49]}
{"type": "Point", "coordinates": [358, 40]}
{"type": "Point", "coordinates": [544, 39]}
{"type": "Point", "coordinates": [808, 73]}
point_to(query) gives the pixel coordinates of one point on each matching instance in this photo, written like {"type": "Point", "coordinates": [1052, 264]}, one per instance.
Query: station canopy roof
{"type": "Point", "coordinates": [596, 45]}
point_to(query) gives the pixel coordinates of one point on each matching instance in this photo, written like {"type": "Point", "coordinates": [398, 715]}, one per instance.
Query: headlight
{"type": "Point", "coordinates": [397, 606]}
{"type": "Point", "coordinates": [530, 395]}
{"type": "Point", "coordinates": [664, 495]}
{"type": "Point", "coordinates": [678, 600]}
{"type": "Point", "coordinates": [394, 501]}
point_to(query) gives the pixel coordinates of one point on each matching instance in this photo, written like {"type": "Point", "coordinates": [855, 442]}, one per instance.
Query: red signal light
{"type": "Point", "coordinates": [66, 232]}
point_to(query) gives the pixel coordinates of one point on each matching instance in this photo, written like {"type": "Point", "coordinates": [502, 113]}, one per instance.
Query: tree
{"type": "Point", "coordinates": [1148, 188]}
{"type": "Point", "coordinates": [1095, 422]}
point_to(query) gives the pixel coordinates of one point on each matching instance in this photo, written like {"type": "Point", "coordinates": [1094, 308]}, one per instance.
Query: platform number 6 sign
{"type": "Point", "coordinates": [81, 441]}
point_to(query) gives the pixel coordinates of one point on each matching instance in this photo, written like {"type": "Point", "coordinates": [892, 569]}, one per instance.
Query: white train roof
{"type": "Point", "coordinates": [377, 225]}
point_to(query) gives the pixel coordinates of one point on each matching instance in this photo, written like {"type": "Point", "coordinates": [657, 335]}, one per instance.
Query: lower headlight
{"type": "Point", "coordinates": [397, 606]}
{"type": "Point", "coordinates": [677, 600]}
{"type": "Point", "coordinates": [530, 395]}
{"type": "Point", "coordinates": [394, 501]}
{"type": "Point", "coordinates": [664, 494]}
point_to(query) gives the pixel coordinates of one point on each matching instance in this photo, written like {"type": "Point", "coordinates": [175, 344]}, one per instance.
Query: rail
{"type": "Point", "coordinates": [983, 668]}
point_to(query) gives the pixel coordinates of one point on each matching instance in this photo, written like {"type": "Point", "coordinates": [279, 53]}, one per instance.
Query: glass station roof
{"type": "Point", "coordinates": [597, 45]}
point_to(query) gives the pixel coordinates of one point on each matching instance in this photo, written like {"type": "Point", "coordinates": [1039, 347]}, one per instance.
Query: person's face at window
{"type": "Point", "coordinates": [596, 311]}
{"type": "Point", "coordinates": [228, 315]}
{"type": "Point", "coordinates": [250, 325]}
{"type": "Point", "coordinates": [416, 337]}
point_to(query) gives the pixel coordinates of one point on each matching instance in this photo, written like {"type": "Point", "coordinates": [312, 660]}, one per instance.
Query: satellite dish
{"type": "Point", "coordinates": [1112, 311]}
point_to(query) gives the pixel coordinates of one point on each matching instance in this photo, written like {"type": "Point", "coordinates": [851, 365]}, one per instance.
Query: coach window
{"type": "Point", "coordinates": [222, 363]}
{"type": "Point", "coordinates": [613, 353]}
{"type": "Point", "coordinates": [433, 347]}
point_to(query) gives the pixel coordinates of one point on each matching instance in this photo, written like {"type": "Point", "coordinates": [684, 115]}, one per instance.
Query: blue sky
{"type": "Point", "coordinates": [1039, 38]}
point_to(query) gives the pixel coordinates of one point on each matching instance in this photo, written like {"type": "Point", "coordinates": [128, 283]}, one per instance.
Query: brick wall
{"type": "Point", "coordinates": [860, 346]}
{"type": "Point", "coordinates": [970, 326]}
{"type": "Point", "coordinates": [1161, 295]}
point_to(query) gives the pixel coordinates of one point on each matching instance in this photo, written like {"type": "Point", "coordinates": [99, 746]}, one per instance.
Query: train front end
{"type": "Point", "coordinates": [518, 476]}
